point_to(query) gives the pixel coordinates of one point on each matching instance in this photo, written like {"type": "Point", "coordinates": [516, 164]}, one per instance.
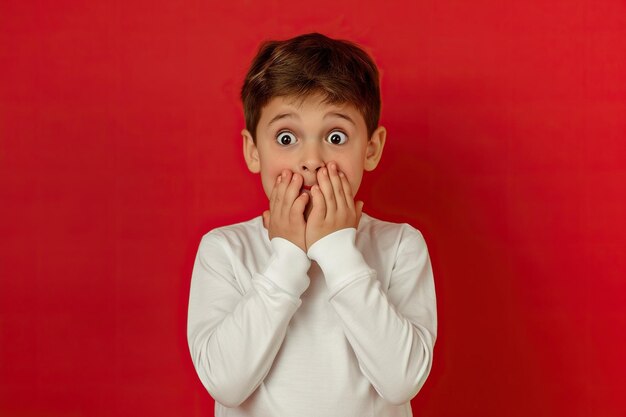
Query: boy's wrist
{"type": "Point", "coordinates": [338, 257]}
{"type": "Point", "coordinates": [288, 267]}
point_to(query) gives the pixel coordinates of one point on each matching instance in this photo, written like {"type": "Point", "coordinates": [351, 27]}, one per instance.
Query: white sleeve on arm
{"type": "Point", "coordinates": [392, 334]}
{"type": "Point", "coordinates": [234, 335]}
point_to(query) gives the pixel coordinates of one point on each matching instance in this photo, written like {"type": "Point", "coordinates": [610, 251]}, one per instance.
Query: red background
{"type": "Point", "coordinates": [120, 148]}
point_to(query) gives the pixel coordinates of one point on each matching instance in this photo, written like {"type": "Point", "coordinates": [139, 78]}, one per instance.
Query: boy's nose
{"type": "Point", "coordinates": [311, 161]}
{"type": "Point", "coordinates": [312, 165]}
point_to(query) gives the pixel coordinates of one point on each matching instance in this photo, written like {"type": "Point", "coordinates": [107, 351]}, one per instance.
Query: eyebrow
{"type": "Point", "coordinates": [340, 115]}
{"type": "Point", "coordinates": [282, 116]}
{"type": "Point", "coordinates": [295, 115]}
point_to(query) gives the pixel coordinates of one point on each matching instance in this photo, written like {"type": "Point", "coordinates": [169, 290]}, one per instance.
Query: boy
{"type": "Point", "coordinates": [314, 308]}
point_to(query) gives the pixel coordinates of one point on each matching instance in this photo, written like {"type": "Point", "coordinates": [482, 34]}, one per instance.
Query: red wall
{"type": "Point", "coordinates": [120, 148]}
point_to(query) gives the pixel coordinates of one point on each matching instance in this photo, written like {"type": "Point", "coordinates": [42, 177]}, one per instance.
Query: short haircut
{"type": "Point", "coordinates": [308, 64]}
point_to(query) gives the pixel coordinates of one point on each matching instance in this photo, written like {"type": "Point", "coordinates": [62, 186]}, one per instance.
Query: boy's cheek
{"type": "Point", "coordinates": [355, 183]}
{"type": "Point", "coordinates": [268, 187]}
{"type": "Point", "coordinates": [268, 181]}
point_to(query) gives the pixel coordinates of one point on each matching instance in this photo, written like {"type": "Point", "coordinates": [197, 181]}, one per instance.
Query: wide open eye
{"type": "Point", "coordinates": [286, 138]}
{"type": "Point", "coordinates": [337, 138]}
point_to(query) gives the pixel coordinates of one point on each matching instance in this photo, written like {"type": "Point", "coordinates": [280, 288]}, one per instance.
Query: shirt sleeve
{"type": "Point", "coordinates": [234, 335]}
{"type": "Point", "coordinates": [392, 333]}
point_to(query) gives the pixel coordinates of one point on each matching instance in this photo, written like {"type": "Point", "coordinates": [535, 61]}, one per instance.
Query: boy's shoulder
{"type": "Point", "coordinates": [380, 228]}
{"type": "Point", "coordinates": [247, 233]}
{"type": "Point", "coordinates": [388, 237]}
{"type": "Point", "coordinates": [383, 242]}
{"type": "Point", "coordinates": [243, 227]}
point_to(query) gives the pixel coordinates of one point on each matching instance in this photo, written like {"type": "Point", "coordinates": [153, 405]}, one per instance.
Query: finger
{"type": "Point", "coordinates": [327, 190]}
{"type": "Point", "coordinates": [347, 190]}
{"type": "Point", "coordinates": [293, 189]}
{"type": "Point", "coordinates": [274, 196]}
{"type": "Point", "coordinates": [280, 209]}
{"type": "Point", "coordinates": [335, 180]}
{"type": "Point", "coordinates": [274, 192]}
{"type": "Point", "coordinates": [318, 210]}
{"type": "Point", "coordinates": [297, 209]}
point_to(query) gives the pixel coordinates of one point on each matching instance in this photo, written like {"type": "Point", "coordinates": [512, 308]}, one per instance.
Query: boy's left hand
{"type": "Point", "coordinates": [333, 205]}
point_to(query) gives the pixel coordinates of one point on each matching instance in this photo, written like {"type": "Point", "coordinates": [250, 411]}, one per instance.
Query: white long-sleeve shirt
{"type": "Point", "coordinates": [346, 329]}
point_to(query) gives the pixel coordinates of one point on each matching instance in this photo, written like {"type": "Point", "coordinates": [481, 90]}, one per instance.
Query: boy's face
{"type": "Point", "coordinates": [303, 136]}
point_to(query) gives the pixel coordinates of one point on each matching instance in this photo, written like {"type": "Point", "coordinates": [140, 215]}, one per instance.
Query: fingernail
{"type": "Point", "coordinates": [341, 174]}
{"type": "Point", "coordinates": [279, 179]}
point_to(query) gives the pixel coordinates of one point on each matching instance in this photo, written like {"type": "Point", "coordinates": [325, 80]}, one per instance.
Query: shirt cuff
{"type": "Point", "coordinates": [288, 267]}
{"type": "Point", "coordinates": [339, 258]}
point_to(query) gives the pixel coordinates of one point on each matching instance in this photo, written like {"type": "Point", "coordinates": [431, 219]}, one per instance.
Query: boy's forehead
{"type": "Point", "coordinates": [312, 103]}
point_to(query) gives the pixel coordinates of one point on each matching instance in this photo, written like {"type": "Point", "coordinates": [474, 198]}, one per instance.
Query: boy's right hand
{"type": "Point", "coordinates": [285, 218]}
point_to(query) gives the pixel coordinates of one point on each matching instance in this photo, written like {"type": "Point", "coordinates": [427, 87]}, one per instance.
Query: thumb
{"type": "Point", "coordinates": [359, 211]}
{"type": "Point", "coordinates": [266, 219]}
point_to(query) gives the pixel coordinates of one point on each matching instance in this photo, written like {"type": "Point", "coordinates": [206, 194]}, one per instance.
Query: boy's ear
{"type": "Point", "coordinates": [375, 148]}
{"type": "Point", "coordinates": [250, 152]}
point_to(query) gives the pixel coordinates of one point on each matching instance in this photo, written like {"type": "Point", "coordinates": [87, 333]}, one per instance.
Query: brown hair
{"type": "Point", "coordinates": [308, 64]}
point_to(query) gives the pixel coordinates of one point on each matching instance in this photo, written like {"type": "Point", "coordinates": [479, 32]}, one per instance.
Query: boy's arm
{"type": "Point", "coordinates": [233, 334]}
{"type": "Point", "coordinates": [392, 333]}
